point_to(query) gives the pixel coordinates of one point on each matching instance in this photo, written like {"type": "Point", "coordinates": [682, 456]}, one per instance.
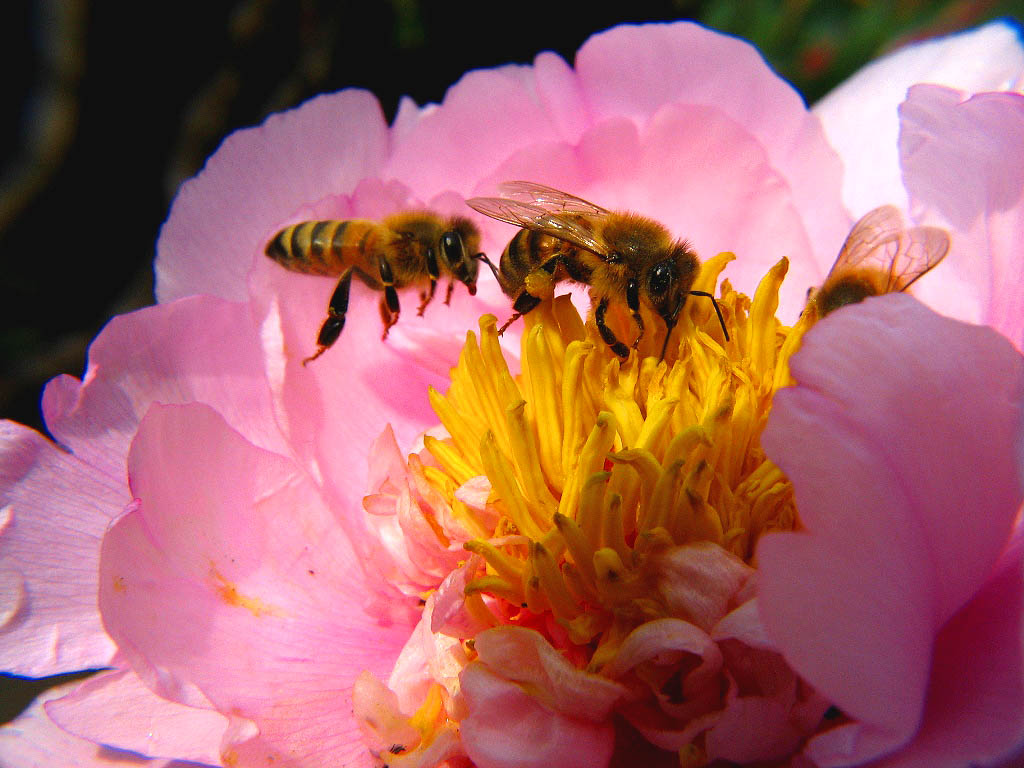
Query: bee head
{"type": "Point", "coordinates": [663, 289]}
{"type": "Point", "coordinates": [456, 255]}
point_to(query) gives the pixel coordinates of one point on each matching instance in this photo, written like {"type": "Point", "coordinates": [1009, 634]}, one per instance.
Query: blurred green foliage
{"type": "Point", "coordinates": [817, 44]}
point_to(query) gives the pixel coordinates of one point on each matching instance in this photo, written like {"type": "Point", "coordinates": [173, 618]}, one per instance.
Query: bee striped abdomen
{"type": "Point", "coordinates": [312, 247]}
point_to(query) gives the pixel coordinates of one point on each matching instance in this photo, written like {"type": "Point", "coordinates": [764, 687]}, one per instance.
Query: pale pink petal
{"type": "Point", "coordinates": [231, 576]}
{"type": "Point", "coordinates": [428, 657]}
{"type": "Point", "coordinates": [753, 728]}
{"type": "Point", "coordinates": [975, 708]}
{"type": "Point", "coordinates": [698, 582]}
{"type": "Point", "coordinates": [744, 624]}
{"type": "Point", "coordinates": [524, 656]}
{"type": "Point", "coordinates": [54, 509]}
{"type": "Point", "coordinates": [963, 168]}
{"type": "Point", "coordinates": [115, 709]}
{"type": "Point", "coordinates": [860, 116]}
{"type": "Point", "coordinates": [484, 117]}
{"type": "Point", "coordinates": [508, 728]}
{"type": "Point", "coordinates": [199, 349]}
{"type": "Point", "coordinates": [33, 741]}
{"type": "Point", "coordinates": [636, 70]}
{"type": "Point", "coordinates": [883, 470]}
{"type": "Point", "coordinates": [221, 219]}
{"type": "Point", "coordinates": [449, 614]}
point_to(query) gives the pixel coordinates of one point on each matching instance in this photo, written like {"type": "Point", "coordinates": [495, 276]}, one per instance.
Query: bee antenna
{"type": "Point", "coordinates": [717, 310]}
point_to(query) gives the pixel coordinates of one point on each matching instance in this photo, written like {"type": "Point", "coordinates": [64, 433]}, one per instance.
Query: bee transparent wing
{"type": "Point", "coordinates": [920, 250]}
{"type": "Point", "coordinates": [550, 199]}
{"type": "Point", "coordinates": [880, 240]}
{"type": "Point", "coordinates": [560, 224]}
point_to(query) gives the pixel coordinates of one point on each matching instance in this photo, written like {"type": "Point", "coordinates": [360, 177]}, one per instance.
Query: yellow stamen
{"type": "Point", "coordinates": [599, 466]}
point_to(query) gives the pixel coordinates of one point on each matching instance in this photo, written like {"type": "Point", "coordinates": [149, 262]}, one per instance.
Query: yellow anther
{"type": "Point", "coordinates": [545, 403]}
{"type": "Point", "coordinates": [551, 583]}
{"type": "Point", "coordinates": [499, 472]}
{"type": "Point", "coordinates": [453, 461]}
{"type": "Point", "coordinates": [580, 549]}
{"type": "Point", "coordinates": [506, 567]}
{"type": "Point", "coordinates": [497, 586]}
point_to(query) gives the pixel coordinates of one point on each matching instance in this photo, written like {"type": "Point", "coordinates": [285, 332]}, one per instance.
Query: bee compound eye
{"type": "Point", "coordinates": [660, 278]}
{"type": "Point", "coordinates": [452, 248]}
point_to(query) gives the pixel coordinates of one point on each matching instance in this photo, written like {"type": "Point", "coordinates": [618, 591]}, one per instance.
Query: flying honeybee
{"type": "Point", "coordinates": [622, 257]}
{"type": "Point", "coordinates": [880, 255]}
{"type": "Point", "coordinates": [401, 250]}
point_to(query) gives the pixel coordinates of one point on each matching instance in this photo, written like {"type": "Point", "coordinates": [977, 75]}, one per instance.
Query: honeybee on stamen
{"type": "Point", "coordinates": [402, 250]}
{"type": "Point", "coordinates": [623, 257]}
{"type": "Point", "coordinates": [880, 255]}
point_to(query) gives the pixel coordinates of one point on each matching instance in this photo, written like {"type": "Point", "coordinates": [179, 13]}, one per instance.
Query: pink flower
{"type": "Point", "coordinates": [266, 542]}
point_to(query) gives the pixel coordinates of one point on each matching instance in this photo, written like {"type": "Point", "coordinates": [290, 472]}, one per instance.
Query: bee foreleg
{"type": "Point", "coordinates": [427, 296]}
{"type": "Point", "coordinates": [448, 293]}
{"type": "Point", "coordinates": [335, 322]}
{"type": "Point", "coordinates": [483, 257]}
{"type": "Point", "coordinates": [633, 302]}
{"type": "Point", "coordinates": [389, 306]}
{"type": "Point", "coordinates": [434, 272]}
{"type": "Point", "coordinates": [607, 333]}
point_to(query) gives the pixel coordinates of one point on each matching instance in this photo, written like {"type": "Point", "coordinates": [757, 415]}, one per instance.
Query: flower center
{"type": "Point", "coordinates": [597, 469]}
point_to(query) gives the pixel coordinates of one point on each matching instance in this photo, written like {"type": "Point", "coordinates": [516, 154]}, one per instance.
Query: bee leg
{"type": "Point", "coordinates": [607, 333]}
{"type": "Point", "coordinates": [434, 272]}
{"type": "Point", "coordinates": [427, 296]}
{"type": "Point", "coordinates": [448, 293]}
{"type": "Point", "coordinates": [389, 306]}
{"type": "Point", "coordinates": [335, 322]}
{"type": "Point", "coordinates": [633, 302]}
{"type": "Point", "coordinates": [483, 257]}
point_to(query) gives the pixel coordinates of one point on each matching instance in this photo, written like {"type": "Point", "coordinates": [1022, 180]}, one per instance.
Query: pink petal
{"type": "Point", "coordinates": [975, 708]}
{"type": "Point", "coordinates": [32, 741]}
{"type": "Point", "coordinates": [428, 657]}
{"type": "Point", "coordinates": [199, 349]}
{"type": "Point", "coordinates": [860, 116]}
{"type": "Point", "coordinates": [54, 509]}
{"type": "Point", "coordinates": [698, 582]}
{"type": "Point", "coordinates": [751, 729]}
{"type": "Point", "coordinates": [962, 163]}
{"type": "Point", "coordinates": [524, 656]}
{"type": "Point", "coordinates": [883, 468]}
{"type": "Point", "coordinates": [636, 70]}
{"type": "Point", "coordinates": [222, 218]}
{"type": "Point", "coordinates": [508, 728]}
{"type": "Point", "coordinates": [115, 709]}
{"type": "Point", "coordinates": [484, 117]}
{"type": "Point", "coordinates": [232, 577]}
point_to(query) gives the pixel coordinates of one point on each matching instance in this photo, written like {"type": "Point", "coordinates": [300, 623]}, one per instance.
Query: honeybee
{"type": "Point", "coordinates": [621, 256]}
{"type": "Point", "coordinates": [401, 250]}
{"type": "Point", "coordinates": [880, 255]}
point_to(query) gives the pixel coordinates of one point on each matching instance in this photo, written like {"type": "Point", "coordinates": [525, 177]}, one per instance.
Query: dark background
{"type": "Point", "coordinates": [110, 105]}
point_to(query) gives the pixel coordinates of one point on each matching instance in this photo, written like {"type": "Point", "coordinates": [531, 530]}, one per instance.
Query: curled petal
{"type": "Point", "coordinates": [525, 657]}
{"type": "Point", "coordinates": [117, 710]}
{"type": "Point", "coordinates": [54, 509]}
{"type": "Point", "coordinates": [884, 471]}
{"type": "Point", "coordinates": [508, 728]}
{"type": "Point", "coordinates": [226, 578]}
{"type": "Point", "coordinates": [860, 115]}
{"type": "Point", "coordinates": [963, 168]}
